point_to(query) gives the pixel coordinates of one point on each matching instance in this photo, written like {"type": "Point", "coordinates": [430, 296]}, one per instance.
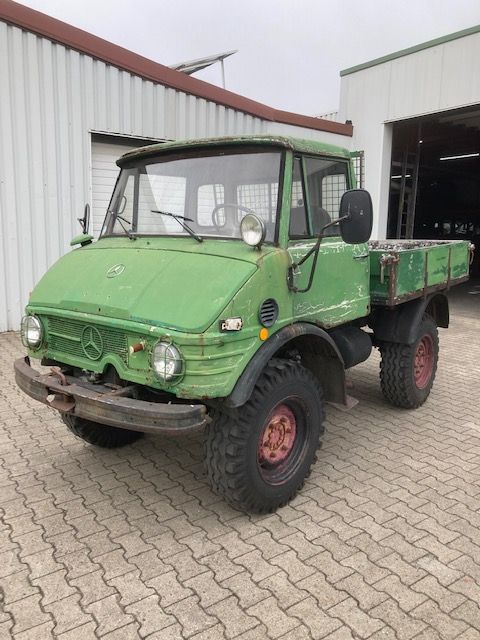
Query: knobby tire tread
{"type": "Point", "coordinates": [228, 432]}
{"type": "Point", "coordinates": [100, 435]}
{"type": "Point", "coordinates": [396, 370]}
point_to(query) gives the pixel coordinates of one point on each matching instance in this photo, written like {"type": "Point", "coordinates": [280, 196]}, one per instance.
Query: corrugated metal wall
{"type": "Point", "coordinates": [51, 100]}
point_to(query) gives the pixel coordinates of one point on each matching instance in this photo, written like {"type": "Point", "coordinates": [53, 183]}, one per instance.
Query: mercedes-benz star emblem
{"type": "Point", "coordinates": [92, 343]}
{"type": "Point", "coordinates": [116, 270]}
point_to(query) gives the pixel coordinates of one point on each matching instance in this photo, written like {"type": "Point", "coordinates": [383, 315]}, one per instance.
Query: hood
{"type": "Point", "coordinates": [164, 282]}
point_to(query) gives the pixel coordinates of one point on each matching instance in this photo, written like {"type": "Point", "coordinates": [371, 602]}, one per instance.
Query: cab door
{"type": "Point", "coordinates": [339, 290]}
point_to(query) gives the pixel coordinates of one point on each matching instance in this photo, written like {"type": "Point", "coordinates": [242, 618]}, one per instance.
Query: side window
{"type": "Point", "coordinates": [208, 197]}
{"type": "Point", "coordinates": [298, 217]}
{"type": "Point", "coordinates": [327, 181]}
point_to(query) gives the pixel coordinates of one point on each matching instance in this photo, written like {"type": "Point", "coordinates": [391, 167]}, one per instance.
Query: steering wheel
{"type": "Point", "coordinates": [223, 205]}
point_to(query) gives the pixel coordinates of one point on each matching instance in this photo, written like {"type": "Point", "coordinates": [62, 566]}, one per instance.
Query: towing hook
{"type": "Point", "coordinates": [56, 372]}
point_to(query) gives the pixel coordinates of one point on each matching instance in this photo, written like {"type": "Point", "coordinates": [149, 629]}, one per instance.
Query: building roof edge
{"type": "Point", "coordinates": [43, 25]}
{"type": "Point", "coordinates": [406, 52]}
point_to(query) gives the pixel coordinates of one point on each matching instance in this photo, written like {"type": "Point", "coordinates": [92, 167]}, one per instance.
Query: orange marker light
{"type": "Point", "coordinates": [263, 335]}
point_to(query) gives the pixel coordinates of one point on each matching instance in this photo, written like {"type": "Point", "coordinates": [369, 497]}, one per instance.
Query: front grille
{"type": "Point", "coordinates": [65, 336]}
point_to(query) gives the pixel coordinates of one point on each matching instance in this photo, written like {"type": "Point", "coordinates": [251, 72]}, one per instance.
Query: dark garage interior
{"type": "Point", "coordinates": [435, 179]}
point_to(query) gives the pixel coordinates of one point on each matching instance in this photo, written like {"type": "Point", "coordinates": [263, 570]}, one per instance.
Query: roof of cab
{"type": "Point", "coordinates": [288, 142]}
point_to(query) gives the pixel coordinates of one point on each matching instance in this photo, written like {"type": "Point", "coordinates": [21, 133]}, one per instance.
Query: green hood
{"type": "Point", "coordinates": [166, 282]}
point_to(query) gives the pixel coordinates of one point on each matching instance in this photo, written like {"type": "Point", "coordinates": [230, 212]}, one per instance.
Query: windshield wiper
{"type": "Point", "coordinates": [179, 218]}
{"type": "Point", "coordinates": [128, 232]}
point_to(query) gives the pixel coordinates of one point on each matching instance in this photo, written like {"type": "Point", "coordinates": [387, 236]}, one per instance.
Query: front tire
{"type": "Point", "coordinates": [407, 371]}
{"type": "Point", "coordinates": [100, 435]}
{"type": "Point", "coordinates": [258, 456]}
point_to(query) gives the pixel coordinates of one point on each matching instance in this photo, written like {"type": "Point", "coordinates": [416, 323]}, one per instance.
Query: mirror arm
{"type": "Point", "coordinates": [291, 270]}
{"type": "Point", "coordinates": [314, 250]}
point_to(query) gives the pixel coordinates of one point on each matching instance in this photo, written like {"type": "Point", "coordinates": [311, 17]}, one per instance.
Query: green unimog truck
{"type": "Point", "coordinates": [230, 289]}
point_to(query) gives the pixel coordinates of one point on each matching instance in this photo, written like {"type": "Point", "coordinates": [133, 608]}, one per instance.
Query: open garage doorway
{"type": "Point", "coordinates": [435, 178]}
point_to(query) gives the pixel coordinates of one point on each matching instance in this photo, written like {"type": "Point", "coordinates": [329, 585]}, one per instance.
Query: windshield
{"type": "Point", "coordinates": [198, 196]}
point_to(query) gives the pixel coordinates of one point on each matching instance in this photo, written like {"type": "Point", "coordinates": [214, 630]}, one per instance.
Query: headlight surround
{"type": "Point", "coordinates": [31, 332]}
{"type": "Point", "coordinates": [253, 230]}
{"type": "Point", "coordinates": [167, 361]}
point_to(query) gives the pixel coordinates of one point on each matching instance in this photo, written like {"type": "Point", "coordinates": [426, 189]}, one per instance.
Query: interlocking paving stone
{"type": "Point", "coordinates": [286, 593]}
{"type": "Point", "coordinates": [247, 591]}
{"type": "Point", "coordinates": [446, 599]}
{"type": "Point", "coordinates": [382, 543]}
{"type": "Point", "coordinates": [234, 619]}
{"type": "Point", "coordinates": [309, 613]}
{"type": "Point", "coordinates": [67, 614]}
{"type": "Point", "coordinates": [210, 592]}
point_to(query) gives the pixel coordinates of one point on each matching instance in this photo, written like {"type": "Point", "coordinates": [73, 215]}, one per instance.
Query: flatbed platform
{"type": "Point", "coordinates": [401, 270]}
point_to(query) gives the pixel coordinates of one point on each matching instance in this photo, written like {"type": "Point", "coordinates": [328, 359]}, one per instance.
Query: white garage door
{"type": "Point", "coordinates": [104, 176]}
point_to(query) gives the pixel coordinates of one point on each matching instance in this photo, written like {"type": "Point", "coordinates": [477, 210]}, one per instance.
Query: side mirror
{"type": "Point", "coordinates": [356, 216]}
{"type": "Point", "coordinates": [85, 221]}
{"type": "Point", "coordinates": [84, 238]}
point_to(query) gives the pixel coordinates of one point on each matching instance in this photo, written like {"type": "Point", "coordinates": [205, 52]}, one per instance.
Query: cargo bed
{"type": "Point", "coordinates": [401, 270]}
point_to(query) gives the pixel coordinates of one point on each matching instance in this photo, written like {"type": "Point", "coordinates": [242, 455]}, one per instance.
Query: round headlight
{"type": "Point", "coordinates": [252, 230]}
{"type": "Point", "coordinates": [167, 361]}
{"type": "Point", "coordinates": [31, 331]}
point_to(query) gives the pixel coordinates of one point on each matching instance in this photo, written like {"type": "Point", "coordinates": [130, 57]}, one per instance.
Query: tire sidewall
{"type": "Point", "coordinates": [427, 327]}
{"type": "Point", "coordinates": [306, 399]}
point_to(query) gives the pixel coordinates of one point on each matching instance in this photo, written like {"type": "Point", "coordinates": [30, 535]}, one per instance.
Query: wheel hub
{"type": "Point", "coordinates": [278, 437]}
{"type": "Point", "coordinates": [423, 362]}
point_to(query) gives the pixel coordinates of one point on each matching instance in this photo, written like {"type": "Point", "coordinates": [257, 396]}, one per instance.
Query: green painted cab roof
{"type": "Point", "coordinates": [286, 142]}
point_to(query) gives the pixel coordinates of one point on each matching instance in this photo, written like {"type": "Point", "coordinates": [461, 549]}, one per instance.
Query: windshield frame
{"type": "Point", "coordinates": [173, 155]}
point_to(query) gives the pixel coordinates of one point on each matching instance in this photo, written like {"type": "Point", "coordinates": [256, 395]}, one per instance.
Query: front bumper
{"type": "Point", "coordinates": [106, 405]}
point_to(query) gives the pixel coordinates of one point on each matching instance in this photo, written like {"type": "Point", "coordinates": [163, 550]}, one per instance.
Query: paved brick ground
{"type": "Point", "coordinates": [383, 541]}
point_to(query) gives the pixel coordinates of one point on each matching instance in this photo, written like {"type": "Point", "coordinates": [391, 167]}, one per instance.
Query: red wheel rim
{"type": "Point", "coordinates": [278, 437]}
{"type": "Point", "coordinates": [423, 362]}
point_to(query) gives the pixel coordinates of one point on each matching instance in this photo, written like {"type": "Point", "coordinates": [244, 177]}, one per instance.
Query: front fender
{"type": "Point", "coordinates": [296, 336]}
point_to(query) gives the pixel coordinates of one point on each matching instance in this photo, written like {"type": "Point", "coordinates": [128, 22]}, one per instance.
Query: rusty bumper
{"type": "Point", "coordinates": [106, 406]}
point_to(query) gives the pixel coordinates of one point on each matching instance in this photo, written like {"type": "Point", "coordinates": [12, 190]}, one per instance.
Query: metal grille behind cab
{"type": "Point", "coordinates": [65, 336]}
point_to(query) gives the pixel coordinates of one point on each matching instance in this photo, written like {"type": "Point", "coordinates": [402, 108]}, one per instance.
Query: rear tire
{"type": "Point", "coordinates": [100, 435]}
{"type": "Point", "coordinates": [407, 371]}
{"type": "Point", "coordinates": [258, 456]}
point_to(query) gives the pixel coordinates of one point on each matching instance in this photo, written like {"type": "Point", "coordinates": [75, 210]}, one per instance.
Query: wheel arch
{"type": "Point", "coordinates": [317, 351]}
{"type": "Point", "coordinates": [401, 323]}
{"type": "Point", "coordinates": [438, 309]}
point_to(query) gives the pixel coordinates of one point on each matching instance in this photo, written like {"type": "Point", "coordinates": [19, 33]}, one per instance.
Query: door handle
{"type": "Point", "coordinates": [361, 256]}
